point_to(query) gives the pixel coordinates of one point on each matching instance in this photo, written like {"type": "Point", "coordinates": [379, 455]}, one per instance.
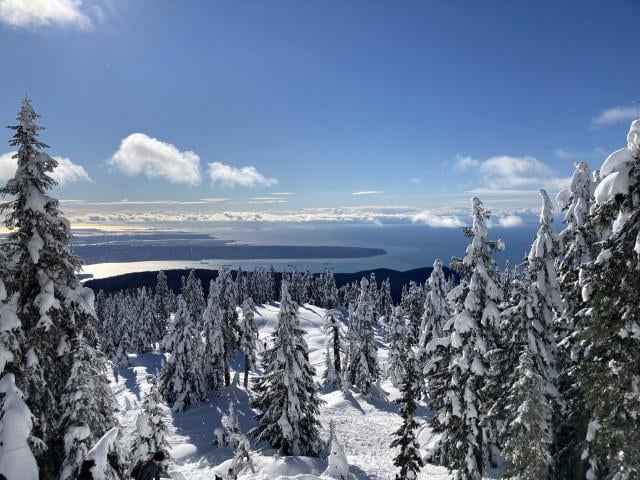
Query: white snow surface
{"type": "Point", "coordinates": [364, 426]}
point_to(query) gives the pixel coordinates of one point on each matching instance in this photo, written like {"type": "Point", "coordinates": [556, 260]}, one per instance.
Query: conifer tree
{"type": "Point", "coordinates": [194, 298]}
{"type": "Point", "coordinates": [248, 332]}
{"type": "Point", "coordinates": [162, 303]}
{"type": "Point", "coordinates": [333, 328]}
{"type": "Point", "coordinates": [181, 379]}
{"type": "Point", "coordinates": [363, 367]}
{"type": "Point", "coordinates": [397, 347]}
{"type": "Point", "coordinates": [287, 402]}
{"type": "Point", "coordinates": [436, 311]}
{"type": "Point", "coordinates": [578, 239]}
{"type": "Point", "coordinates": [408, 459]}
{"type": "Point", "coordinates": [227, 299]}
{"type": "Point", "coordinates": [528, 437]}
{"type": "Point", "coordinates": [214, 355]}
{"type": "Point", "coordinates": [151, 429]}
{"type": "Point", "coordinates": [41, 273]}
{"type": "Point", "coordinates": [86, 407]}
{"type": "Point", "coordinates": [467, 435]}
{"type": "Point", "coordinates": [607, 371]}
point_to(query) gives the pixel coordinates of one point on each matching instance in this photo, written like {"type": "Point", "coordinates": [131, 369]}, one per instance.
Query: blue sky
{"type": "Point", "coordinates": [420, 104]}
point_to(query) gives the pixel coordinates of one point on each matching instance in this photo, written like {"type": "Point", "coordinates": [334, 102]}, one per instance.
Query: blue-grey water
{"type": "Point", "coordinates": [408, 246]}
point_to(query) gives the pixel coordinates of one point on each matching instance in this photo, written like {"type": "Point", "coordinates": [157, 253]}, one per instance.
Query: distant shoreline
{"type": "Point", "coordinates": [115, 253]}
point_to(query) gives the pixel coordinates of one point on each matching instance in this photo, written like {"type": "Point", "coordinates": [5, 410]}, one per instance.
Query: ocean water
{"type": "Point", "coordinates": [408, 246]}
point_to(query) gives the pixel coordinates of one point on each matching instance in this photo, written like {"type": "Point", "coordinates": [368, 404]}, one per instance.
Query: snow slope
{"type": "Point", "coordinates": [363, 426]}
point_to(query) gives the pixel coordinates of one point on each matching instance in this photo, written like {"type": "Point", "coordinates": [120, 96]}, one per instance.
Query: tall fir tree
{"type": "Point", "coordinates": [397, 347]}
{"type": "Point", "coordinates": [194, 297]}
{"type": "Point", "coordinates": [408, 460]}
{"type": "Point", "coordinates": [436, 311]}
{"type": "Point", "coordinates": [467, 443]}
{"type": "Point", "coordinates": [287, 402]}
{"type": "Point", "coordinates": [529, 438]}
{"type": "Point", "coordinates": [86, 405]}
{"type": "Point", "coordinates": [162, 303]}
{"type": "Point", "coordinates": [181, 380]}
{"type": "Point", "coordinates": [214, 357]}
{"type": "Point", "coordinates": [578, 239]}
{"type": "Point", "coordinates": [228, 302]}
{"type": "Point", "coordinates": [248, 336]}
{"type": "Point", "coordinates": [607, 371]}
{"type": "Point", "coordinates": [363, 367]}
{"type": "Point", "coordinates": [333, 328]}
{"type": "Point", "coordinates": [41, 269]}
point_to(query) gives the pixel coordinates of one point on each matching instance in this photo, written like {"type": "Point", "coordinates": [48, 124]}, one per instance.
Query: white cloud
{"type": "Point", "coordinates": [510, 221]}
{"type": "Point", "coordinates": [443, 221]}
{"type": "Point", "coordinates": [141, 154]}
{"type": "Point", "coordinates": [368, 192]}
{"type": "Point", "coordinates": [616, 115]}
{"type": "Point", "coordinates": [65, 172]}
{"type": "Point", "coordinates": [35, 13]}
{"type": "Point", "coordinates": [508, 174]}
{"type": "Point", "coordinates": [463, 163]}
{"type": "Point", "coordinates": [415, 181]}
{"type": "Point", "coordinates": [229, 176]}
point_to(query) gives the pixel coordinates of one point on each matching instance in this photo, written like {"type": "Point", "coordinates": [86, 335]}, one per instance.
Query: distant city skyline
{"type": "Point", "coordinates": [327, 111]}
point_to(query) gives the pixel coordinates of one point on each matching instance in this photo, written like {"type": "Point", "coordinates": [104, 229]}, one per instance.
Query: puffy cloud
{"type": "Point", "coordinates": [463, 163]}
{"type": "Point", "coordinates": [368, 192]}
{"type": "Point", "coordinates": [510, 221]}
{"type": "Point", "coordinates": [35, 13]}
{"type": "Point", "coordinates": [229, 176]}
{"type": "Point", "coordinates": [442, 221]}
{"type": "Point", "coordinates": [616, 115]}
{"type": "Point", "coordinates": [512, 174]}
{"type": "Point", "coordinates": [141, 154]}
{"type": "Point", "coordinates": [65, 172]}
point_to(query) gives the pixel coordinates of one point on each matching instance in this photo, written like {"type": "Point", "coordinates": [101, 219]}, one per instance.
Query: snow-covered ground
{"type": "Point", "coordinates": [363, 426]}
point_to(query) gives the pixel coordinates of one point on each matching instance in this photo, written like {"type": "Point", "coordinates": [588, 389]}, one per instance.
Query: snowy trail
{"type": "Point", "coordinates": [363, 426]}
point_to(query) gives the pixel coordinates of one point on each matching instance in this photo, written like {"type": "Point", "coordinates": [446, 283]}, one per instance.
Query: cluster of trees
{"type": "Point", "coordinates": [540, 365]}
{"type": "Point", "coordinates": [536, 365]}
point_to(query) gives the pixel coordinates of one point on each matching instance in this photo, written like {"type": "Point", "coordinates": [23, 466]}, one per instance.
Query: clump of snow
{"type": "Point", "coordinates": [16, 459]}
{"type": "Point", "coordinates": [99, 454]}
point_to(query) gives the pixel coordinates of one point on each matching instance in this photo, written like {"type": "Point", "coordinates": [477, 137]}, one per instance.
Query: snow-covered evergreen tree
{"type": "Point", "coordinates": [436, 311]}
{"type": "Point", "coordinates": [467, 434]}
{"type": "Point", "coordinates": [287, 402]}
{"type": "Point", "coordinates": [607, 373]}
{"type": "Point", "coordinates": [338, 466]}
{"type": "Point", "coordinates": [333, 328]}
{"type": "Point", "coordinates": [578, 238]}
{"type": "Point", "coordinates": [528, 437]}
{"type": "Point", "coordinates": [86, 407]}
{"type": "Point", "coordinates": [181, 379]}
{"type": "Point", "coordinates": [408, 459]}
{"type": "Point", "coordinates": [363, 367]}
{"type": "Point", "coordinates": [16, 458]}
{"type": "Point", "coordinates": [214, 357]}
{"type": "Point", "coordinates": [162, 302]}
{"type": "Point", "coordinates": [41, 274]}
{"type": "Point", "coordinates": [227, 299]}
{"type": "Point", "coordinates": [151, 429]}
{"type": "Point", "coordinates": [397, 347]}
{"type": "Point", "coordinates": [248, 336]}
{"type": "Point", "coordinates": [194, 298]}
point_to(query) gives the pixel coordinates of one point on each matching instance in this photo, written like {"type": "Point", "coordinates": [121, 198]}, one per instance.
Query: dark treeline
{"type": "Point", "coordinates": [130, 281]}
